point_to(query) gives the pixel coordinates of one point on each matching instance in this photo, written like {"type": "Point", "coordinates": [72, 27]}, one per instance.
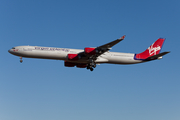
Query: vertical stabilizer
{"type": "Point", "coordinates": [154, 49]}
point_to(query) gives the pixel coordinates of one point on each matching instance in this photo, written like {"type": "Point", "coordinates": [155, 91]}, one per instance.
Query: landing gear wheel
{"type": "Point", "coordinates": [94, 66]}
{"type": "Point", "coordinates": [91, 69]}
{"type": "Point", "coordinates": [91, 64]}
{"type": "Point", "coordinates": [21, 60]}
{"type": "Point", "coordinates": [88, 67]}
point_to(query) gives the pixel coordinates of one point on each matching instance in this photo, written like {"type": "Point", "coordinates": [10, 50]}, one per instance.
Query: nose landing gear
{"type": "Point", "coordinates": [21, 60]}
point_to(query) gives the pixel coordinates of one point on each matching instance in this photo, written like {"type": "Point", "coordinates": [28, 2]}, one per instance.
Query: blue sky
{"type": "Point", "coordinates": [45, 89]}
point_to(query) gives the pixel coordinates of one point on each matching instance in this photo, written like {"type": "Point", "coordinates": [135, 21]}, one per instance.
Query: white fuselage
{"type": "Point", "coordinates": [62, 53]}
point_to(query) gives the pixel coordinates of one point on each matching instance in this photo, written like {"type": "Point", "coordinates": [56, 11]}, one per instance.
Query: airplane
{"type": "Point", "coordinates": [90, 56]}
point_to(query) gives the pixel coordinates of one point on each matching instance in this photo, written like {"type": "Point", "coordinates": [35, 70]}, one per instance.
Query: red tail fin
{"type": "Point", "coordinates": [154, 49]}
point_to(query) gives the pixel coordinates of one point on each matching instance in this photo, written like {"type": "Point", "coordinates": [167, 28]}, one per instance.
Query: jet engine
{"type": "Point", "coordinates": [81, 65]}
{"type": "Point", "coordinates": [73, 57]}
{"type": "Point", "coordinates": [69, 64]}
{"type": "Point", "coordinates": [90, 51]}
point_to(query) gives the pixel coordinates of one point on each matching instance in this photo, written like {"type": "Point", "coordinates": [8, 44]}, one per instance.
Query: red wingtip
{"type": "Point", "coordinates": [123, 37]}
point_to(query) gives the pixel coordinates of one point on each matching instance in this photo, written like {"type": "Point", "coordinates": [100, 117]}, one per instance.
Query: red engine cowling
{"type": "Point", "coordinates": [81, 65]}
{"type": "Point", "coordinates": [69, 64]}
{"type": "Point", "coordinates": [90, 51]}
{"type": "Point", "coordinates": [73, 57]}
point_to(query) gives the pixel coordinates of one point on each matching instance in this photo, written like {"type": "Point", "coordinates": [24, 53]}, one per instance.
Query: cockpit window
{"type": "Point", "coordinates": [13, 48]}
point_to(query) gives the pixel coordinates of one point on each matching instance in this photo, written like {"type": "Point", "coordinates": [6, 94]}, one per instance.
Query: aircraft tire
{"type": "Point", "coordinates": [94, 66]}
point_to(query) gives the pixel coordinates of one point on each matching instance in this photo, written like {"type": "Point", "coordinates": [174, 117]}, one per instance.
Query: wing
{"type": "Point", "coordinates": [93, 53]}
{"type": "Point", "coordinates": [111, 44]}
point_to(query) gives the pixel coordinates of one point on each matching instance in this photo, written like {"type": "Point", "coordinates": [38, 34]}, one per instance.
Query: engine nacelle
{"type": "Point", "coordinates": [81, 65]}
{"type": "Point", "coordinates": [90, 51]}
{"type": "Point", "coordinates": [73, 57]}
{"type": "Point", "coordinates": [69, 64]}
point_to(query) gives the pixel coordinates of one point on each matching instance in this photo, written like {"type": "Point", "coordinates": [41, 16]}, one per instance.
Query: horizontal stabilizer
{"type": "Point", "coordinates": [157, 56]}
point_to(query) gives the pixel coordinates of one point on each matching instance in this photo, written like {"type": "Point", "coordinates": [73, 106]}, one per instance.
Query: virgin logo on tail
{"type": "Point", "coordinates": [153, 50]}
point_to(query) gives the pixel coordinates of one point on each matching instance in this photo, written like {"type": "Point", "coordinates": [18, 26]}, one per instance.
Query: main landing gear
{"type": "Point", "coordinates": [91, 65]}
{"type": "Point", "coordinates": [21, 60]}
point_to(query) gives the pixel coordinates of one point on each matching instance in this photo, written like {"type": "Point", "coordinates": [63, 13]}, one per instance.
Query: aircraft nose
{"type": "Point", "coordinates": [10, 50]}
